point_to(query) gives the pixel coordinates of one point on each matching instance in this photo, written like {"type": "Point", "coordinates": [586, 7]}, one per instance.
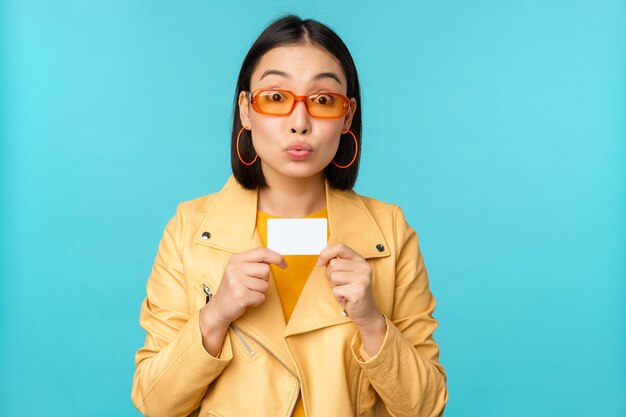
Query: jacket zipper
{"type": "Point", "coordinates": [293, 406]}
{"type": "Point", "coordinates": [242, 340]}
{"type": "Point", "coordinates": [237, 329]}
{"type": "Point", "coordinates": [238, 332]}
{"type": "Point", "coordinates": [245, 344]}
{"type": "Point", "coordinates": [208, 293]}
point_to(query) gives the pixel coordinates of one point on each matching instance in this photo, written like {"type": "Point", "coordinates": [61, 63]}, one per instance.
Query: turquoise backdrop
{"type": "Point", "coordinates": [499, 127]}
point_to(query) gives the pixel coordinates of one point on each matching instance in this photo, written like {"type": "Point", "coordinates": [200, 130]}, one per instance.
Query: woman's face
{"type": "Point", "coordinates": [296, 145]}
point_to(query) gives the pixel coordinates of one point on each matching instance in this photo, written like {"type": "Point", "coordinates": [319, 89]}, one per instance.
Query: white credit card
{"type": "Point", "coordinates": [297, 236]}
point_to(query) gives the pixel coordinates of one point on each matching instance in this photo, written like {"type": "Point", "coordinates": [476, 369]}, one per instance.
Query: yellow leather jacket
{"type": "Point", "coordinates": [264, 362]}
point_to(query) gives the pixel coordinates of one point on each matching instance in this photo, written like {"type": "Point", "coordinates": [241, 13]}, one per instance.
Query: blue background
{"type": "Point", "coordinates": [499, 127]}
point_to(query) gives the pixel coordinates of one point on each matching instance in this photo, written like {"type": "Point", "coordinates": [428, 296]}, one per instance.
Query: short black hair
{"type": "Point", "coordinates": [292, 30]}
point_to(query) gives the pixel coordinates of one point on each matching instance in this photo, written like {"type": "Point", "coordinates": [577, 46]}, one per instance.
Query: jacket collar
{"type": "Point", "coordinates": [231, 221]}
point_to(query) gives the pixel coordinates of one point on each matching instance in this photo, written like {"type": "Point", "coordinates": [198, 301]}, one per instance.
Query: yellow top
{"type": "Point", "coordinates": [291, 280]}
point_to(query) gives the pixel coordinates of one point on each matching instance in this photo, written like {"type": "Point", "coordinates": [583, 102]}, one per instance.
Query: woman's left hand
{"type": "Point", "coordinates": [351, 279]}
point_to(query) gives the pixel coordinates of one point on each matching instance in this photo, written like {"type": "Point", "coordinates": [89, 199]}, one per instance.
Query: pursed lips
{"type": "Point", "coordinates": [299, 146]}
{"type": "Point", "coordinates": [298, 151]}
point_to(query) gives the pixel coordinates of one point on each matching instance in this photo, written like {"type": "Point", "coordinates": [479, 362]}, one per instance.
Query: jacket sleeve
{"type": "Point", "coordinates": [173, 370]}
{"type": "Point", "coordinates": [406, 372]}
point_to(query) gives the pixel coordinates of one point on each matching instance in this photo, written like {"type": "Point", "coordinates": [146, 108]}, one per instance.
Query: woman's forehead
{"type": "Point", "coordinates": [297, 65]}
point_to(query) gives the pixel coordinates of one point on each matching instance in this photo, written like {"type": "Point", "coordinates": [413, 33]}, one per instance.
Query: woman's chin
{"type": "Point", "coordinates": [296, 171]}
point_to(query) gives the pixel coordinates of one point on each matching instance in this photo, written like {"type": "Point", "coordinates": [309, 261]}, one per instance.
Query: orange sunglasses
{"type": "Point", "coordinates": [282, 103]}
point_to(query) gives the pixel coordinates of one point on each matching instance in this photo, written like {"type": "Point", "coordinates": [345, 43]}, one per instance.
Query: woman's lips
{"type": "Point", "coordinates": [298, 154]}
{"type": "Point", "coordinates": [298, 151]}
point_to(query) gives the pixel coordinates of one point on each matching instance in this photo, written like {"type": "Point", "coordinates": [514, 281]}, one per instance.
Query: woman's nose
{"type": "Point", "coordinates": [300, 121]}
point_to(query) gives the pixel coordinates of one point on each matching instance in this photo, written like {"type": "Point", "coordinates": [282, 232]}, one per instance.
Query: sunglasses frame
{"type": "Point", "coordinates": [253, 97]}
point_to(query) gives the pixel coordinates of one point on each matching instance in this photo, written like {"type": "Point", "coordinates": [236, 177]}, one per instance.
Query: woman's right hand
{"type": "Point", "coordinates": [245, 280]}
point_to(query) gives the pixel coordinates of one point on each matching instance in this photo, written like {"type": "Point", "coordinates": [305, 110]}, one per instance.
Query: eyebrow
{"type": "Point", "coordinates": [319, 76]}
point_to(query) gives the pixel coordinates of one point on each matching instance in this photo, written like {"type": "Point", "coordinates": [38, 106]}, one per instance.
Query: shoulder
{"type": "Point", "coordinates": [388, 216]}
{"type": "Point", "coordinates": [200, 206]}
{"type": "Point", "coordinates": [381, 210]}
{"type": "Point", "coordinates": [190, 214]}
{"type": "Point", "coordinates": [378, 207]}
{"type": "Point", "coordinates": [195, 208]}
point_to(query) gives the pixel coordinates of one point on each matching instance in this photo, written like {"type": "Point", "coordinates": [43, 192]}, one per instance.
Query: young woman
{"type": "Point", "coordinates": [237, 329]}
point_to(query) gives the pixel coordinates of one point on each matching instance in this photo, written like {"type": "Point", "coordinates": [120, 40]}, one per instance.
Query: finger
{"type": "Point", "coordinates": [338, 264]}
{"type": "Point", "coordinates": [342, 301]}
{"type": "Point", "coordinates": [338, 250]}
{"type": "Point", "coordinates": [255, 298]}
{"type": "Point", "coordinates": [256, 284]}
{"type": "Point", "coordinates": [256, 270]}
{"type": "Point", "coordinates": [348, 293]}
{"type": "Point", "coordinates": [264, 255]}
{"type": "Point", "coordinates": [340, 278]}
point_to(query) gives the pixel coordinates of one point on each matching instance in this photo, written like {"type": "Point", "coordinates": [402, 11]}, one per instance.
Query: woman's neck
{"type": "Point", "coordinates": [293, 197]}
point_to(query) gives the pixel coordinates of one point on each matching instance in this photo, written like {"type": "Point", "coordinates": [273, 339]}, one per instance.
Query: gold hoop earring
{"type": "Point", "coordinates": [239, 154]}
{"type": "Point", "coordinates": [356, 151]}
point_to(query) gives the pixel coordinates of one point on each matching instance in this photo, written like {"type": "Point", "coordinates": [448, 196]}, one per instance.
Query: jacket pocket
{"type": "Point", "coordinates": [247, 345]}
{"type": "Point", "coordinates": [249, 349]}
{"type": "Point", "coordinates": [202, 292]}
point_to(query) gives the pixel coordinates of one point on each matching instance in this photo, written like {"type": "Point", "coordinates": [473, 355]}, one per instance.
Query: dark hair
{"type": "Point", "coordinates": [291, 30]}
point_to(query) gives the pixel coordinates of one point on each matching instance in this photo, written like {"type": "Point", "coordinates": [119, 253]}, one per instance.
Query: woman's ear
{"type": "Point", "coordinates": [244, 109]}
{"type": "Point", "coordinates": [347, 121]}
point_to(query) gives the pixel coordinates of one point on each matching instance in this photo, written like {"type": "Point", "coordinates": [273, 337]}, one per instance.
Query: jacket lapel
{"type": "Point", "coordinates": [351, 223]}
{"type": "Point", "coordinates": [231, 222]}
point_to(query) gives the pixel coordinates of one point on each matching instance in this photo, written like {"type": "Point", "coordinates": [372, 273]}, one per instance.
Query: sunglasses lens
{"type": "Point", "coordinates": [327, 105]}
{"type": "Point", "coordinates": [274, 102]}
{"type": "Point", "coordinates": [281, 103]}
